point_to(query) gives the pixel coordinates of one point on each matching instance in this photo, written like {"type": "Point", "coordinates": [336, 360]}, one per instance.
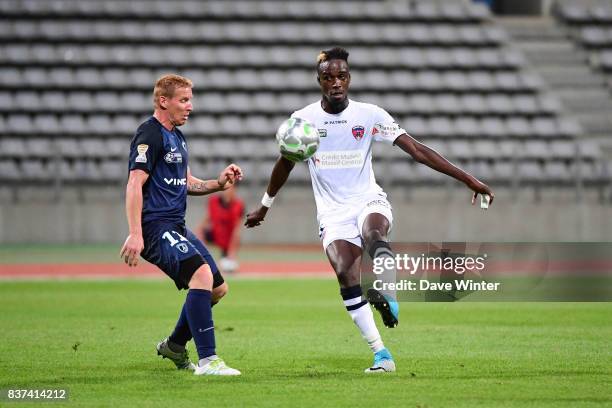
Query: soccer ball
{"type": "Point", "coordinates": [297, 139]}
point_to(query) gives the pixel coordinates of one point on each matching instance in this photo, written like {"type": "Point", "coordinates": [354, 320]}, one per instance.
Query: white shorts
{"type": "Point", "coordinates": [349, 224]}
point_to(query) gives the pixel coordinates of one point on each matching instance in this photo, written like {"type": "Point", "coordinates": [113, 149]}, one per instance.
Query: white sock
{"type": "Point", "coordinates": [206, 360]}
{"type": "Point", "coordinates": [362, 316]}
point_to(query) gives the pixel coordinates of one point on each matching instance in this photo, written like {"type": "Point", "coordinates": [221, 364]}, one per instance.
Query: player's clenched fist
{"type": "Point", "coordinates": [255, 218]}
{"type": "Point", "coordinates": [133, 246]}
{"type": "Point", "coordinates": [230, 174]}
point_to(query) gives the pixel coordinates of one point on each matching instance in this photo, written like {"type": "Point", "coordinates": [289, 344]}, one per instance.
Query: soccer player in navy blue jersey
{"type": "Point", "coordinates": [156, 198]}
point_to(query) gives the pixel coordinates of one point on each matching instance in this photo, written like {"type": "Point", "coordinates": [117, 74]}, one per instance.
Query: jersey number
{"type": "Point", "coordinates": [173, 241]}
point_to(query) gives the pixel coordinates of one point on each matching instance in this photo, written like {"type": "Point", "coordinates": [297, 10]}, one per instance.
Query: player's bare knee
{"type": "Point", "coordinates": [372, 235]}
{"type": "Point", "coordinates": [219, 292]}
{"type": "Point", "coordinates": [202, 278]}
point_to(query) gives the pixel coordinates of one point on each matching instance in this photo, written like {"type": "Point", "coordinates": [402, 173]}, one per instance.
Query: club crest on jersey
{"type": "Point", "coordinates": [358, 132]}
{"type": "Point", "coordinates": [172, 157]}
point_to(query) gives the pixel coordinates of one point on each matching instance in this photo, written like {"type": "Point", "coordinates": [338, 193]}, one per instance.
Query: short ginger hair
{"type": "Point", "coordinates": [166, 85]}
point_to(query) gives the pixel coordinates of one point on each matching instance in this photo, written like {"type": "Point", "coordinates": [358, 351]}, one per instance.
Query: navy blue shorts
{"type": "Point", "coordinates": [173, 248]}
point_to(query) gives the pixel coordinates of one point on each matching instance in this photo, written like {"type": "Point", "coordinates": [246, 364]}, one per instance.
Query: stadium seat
{"type": "Point", "coordinates": [113, 170]}
{"type": "Point", "coordinates": [494, 127]}
{"type": "Point", "coordinates": [564, 150]}
{"type": "Point", "coordinates": [12, 147]}
{"type": "Point", "coordinates": [73, 124]}
{"type": "Point", "coordinates": [80, 101]}
{"type": "Point", "coordinates": [68, 148]}
{"type": "Point", "coordinates": [518, 127]}
{"type": "Point", "coordinates": [19, 124]}
{"type": "Point", "coordinates": [459, 149]}
{"type": "Point", "coordinates": [36, 171]}
{"type": "Point", "coordinates": [467, 127]}
{"type": "Point", "coordinates": [557, 172]}
{"type": "Point", "coordinates": [485, 150]}
{"type": "Point", "coordinates": [544, 127]}
{"type": "Point", "coordinates": [535, 149]}
{"type": "Point", "coordinates": [9, 171]}
{"type": "Point", "coordinates": [93, 148]}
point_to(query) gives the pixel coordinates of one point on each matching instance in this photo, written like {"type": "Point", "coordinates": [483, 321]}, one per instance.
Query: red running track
{"type": "Point", "coordinates": [118, 270]}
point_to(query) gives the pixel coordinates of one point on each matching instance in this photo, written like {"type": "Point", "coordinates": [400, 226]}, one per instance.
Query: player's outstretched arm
{"type": "Point", "coordinates": [433, 159]}
{"type": "Point", "coordinates": [228, 176]}
{"type": "Point", "coordinates": [134, 243]}
{"type": "Point", "coordinates": [280, 174]}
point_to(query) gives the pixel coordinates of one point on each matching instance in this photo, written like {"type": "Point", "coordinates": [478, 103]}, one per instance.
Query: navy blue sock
{"type": "Point", "coordinates": [199, 316]}
{"type": "Point", "coordinates": [181, 334]}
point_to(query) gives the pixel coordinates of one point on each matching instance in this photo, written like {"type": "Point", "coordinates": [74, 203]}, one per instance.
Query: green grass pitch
{"type": "Point", "coordinates": [296, 346]}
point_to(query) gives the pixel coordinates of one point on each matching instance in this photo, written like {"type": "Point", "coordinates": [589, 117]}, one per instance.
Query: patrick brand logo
{"type": "Point", "coordinates": [175, 181]}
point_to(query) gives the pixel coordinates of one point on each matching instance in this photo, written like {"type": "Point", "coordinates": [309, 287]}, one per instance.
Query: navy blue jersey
{"type": "Point", "coordinates": [163, 155]}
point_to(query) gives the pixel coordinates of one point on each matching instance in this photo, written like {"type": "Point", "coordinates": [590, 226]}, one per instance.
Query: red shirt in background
{"type": "Point", "coordinates": [223, 219]}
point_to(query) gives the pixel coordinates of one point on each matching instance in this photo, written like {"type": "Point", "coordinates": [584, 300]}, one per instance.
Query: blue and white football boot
{"type": "Point", "coordinates": [383, 363]}
{"type": "Point", "coordinates": [387, 307]}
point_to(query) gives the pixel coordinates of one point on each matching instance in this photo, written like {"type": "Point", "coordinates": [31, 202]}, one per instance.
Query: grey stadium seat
{"type": "Point", "coordinates": [19, 124]}
{"type": "Point", "coordinates": [518, 127]}
{"type": "Point", "coordinates": [40, 147]}
{"type": "Point", "coordinates": [80, 101]}
{"type": "Point", "coordinates": [25, 101]}
{"type": "Point", "coordinates": [10, 76]}
{"type": "Point", "coordinates": [441, 126]}
{"type": "Point", "coordinates": [88, 77]}
{"type": "Point", "coordinates": [557, 172]}
{"type": "Point", "coordinates": [68, 148]}
{"type": "Point", "coordinates": [544, 127]}
{"type": "Point", "coordinates": [535, 149]}
{"type": "Point", "coordinates": [562, 149]}
{"type": "Point", "coordinates": [9, 170]}
{"type": "Point", "coordinates": [508, 149]}
{"type": "Point", "coordinates": [93, 147]}
{"type": "Point", "coordinates": [12, 147]}
{"type": "Point", "coordinates": [461, 150]}
{"type": "Point", "coordinates": [36, 170]}
{"type": "Point", "coordinates": [504, 171]}
{"type": "Point", "coordinates": [415, 126]}
{"type": "Point", "coordinates": [231, 125]}
{"type": "Point", "coordinates": [73, 124]}
{"type": "Point", "coordinates": [500, 104]}
{"type": "Point", "coordinates": [6, 101]}
{"type": "Point", "coordinates": [467, 127]}
{"type": "Point", "coordinates": [493, 127]}
{"type": "Point", "coordinates": [113, 170]}
{"type": "Point", "coordinates": [485, 149]}
{"type": "Point", "coordinates": [99, 124]}
{"type": "Point", "coordinates": [531, 172]}
{"type": "Point", "coordinates": [35, 77]}
{"type": "Point", "coordinates": [47, 124]}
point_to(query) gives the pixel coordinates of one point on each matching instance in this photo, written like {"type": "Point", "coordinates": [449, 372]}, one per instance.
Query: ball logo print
{"type": "Point", "coordinates": [297, 139]}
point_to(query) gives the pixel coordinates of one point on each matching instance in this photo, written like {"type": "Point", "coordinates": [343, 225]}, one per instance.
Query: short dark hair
{"type": "Point", "coordinates": [331, 54]}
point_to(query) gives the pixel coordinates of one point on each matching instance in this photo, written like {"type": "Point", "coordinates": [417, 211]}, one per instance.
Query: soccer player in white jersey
{"type": "Point", "coordinates": [352, 210]}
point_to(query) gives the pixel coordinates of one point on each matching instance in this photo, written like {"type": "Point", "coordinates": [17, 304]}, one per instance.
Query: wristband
{"type": "Point", "coordinates": [266, 200]}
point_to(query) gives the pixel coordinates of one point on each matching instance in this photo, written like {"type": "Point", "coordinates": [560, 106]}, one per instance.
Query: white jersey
{"type": "Point", "coordinates": [341, 169]}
